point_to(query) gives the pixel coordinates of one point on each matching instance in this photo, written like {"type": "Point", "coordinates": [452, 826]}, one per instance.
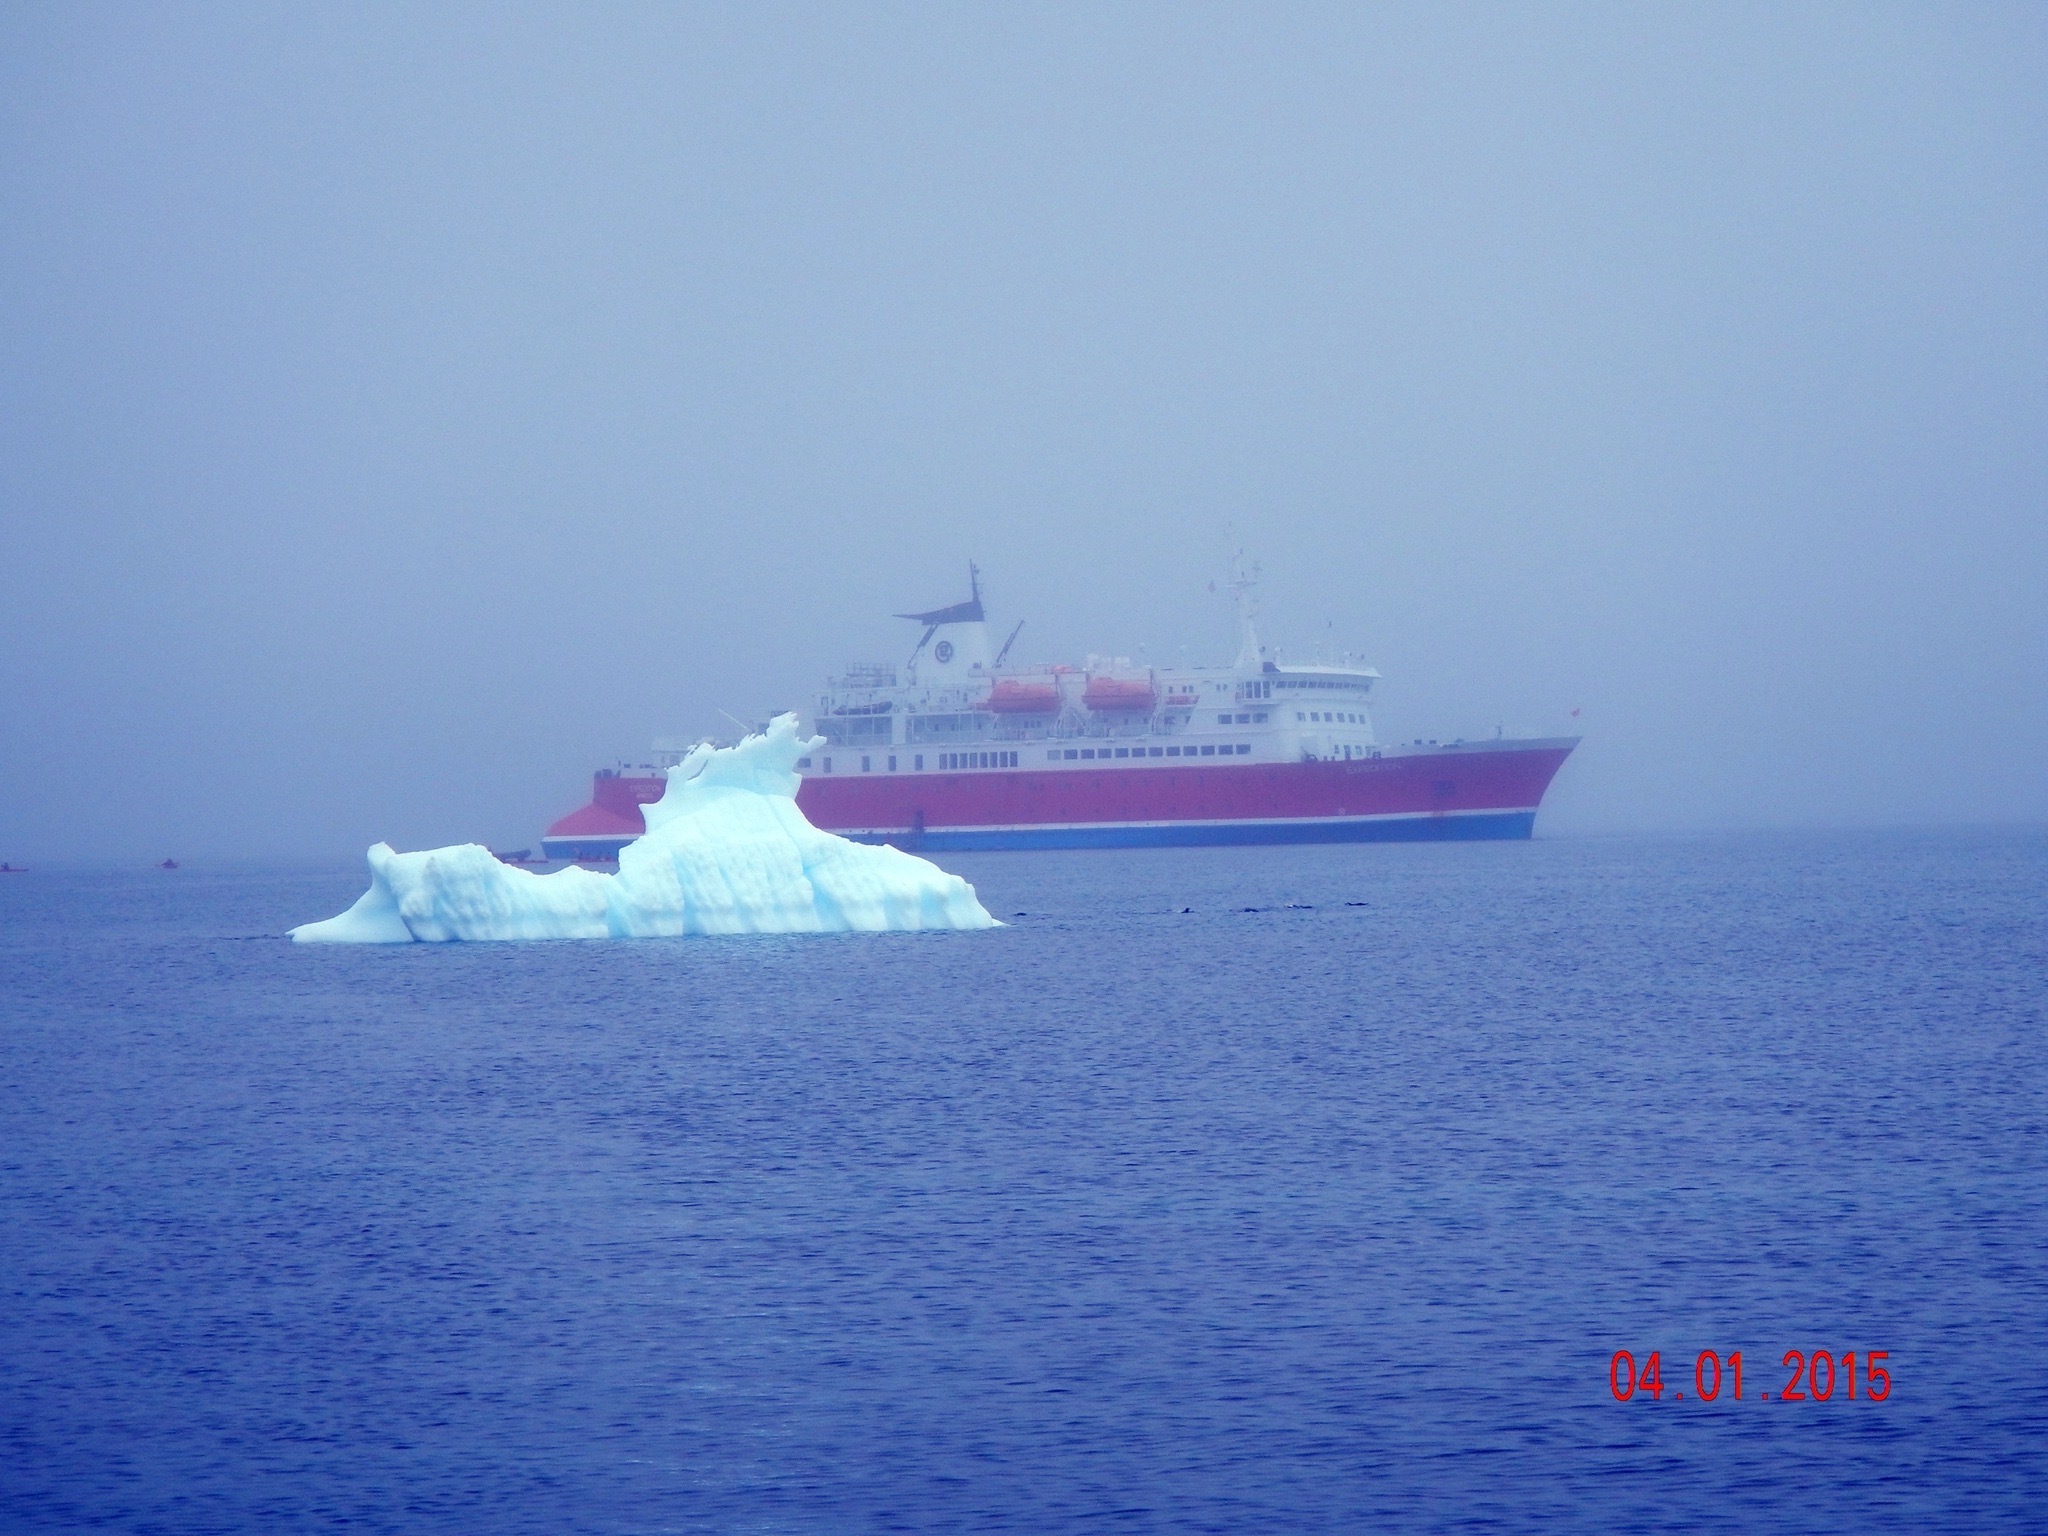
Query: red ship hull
{"type": "Point", "coordinates": [1484, 790]}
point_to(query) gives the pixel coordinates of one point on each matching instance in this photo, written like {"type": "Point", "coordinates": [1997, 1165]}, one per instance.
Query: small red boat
{"type": "Point", "coordinates": [1012, 697]}
{"type": "Point", "coordinates": [1134, 694]}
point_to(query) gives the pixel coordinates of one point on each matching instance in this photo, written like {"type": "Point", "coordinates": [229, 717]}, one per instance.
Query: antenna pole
{"type": "Point", "coordinates": [1249, 652]}
{"type": "Point", "coordinates": [1006, 646]}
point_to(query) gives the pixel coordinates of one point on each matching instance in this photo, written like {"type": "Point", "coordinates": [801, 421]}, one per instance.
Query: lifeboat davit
{"type": "Point", "coordinates": [1011, 697]}
{"type": "Point", "coordinates": [1126, 694]}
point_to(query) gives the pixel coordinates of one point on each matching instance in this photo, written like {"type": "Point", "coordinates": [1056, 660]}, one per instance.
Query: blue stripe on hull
{"type": "Point", "coordinates": [1493, 826]}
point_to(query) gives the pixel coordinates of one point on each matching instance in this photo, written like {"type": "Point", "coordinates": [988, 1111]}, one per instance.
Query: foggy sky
{"type": "Point", "coordinates": [404, 410]}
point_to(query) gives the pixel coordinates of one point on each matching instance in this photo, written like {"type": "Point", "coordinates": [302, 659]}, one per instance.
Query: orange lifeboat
{"type": "Point", "coordinates": [1011, 697]}
{"type": "Point", "coordinates": [1119, 694]}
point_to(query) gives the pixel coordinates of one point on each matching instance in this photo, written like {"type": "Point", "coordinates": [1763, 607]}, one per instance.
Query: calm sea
{"type": "Point", "coordinates": [1240, 1190]}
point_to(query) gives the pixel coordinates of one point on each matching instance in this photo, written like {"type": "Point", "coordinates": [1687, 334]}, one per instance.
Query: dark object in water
{"type": "Point", "coordinates": [168, 864]}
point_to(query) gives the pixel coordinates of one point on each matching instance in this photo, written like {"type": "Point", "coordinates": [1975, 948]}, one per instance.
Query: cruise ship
{"type": "Point", "coordinates": [954, 749]}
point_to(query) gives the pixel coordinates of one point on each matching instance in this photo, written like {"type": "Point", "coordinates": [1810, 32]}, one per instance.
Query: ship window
{"type": "Point", "coordinates": [1259, 719]}
{"type": "Point", "coordinates": [1299, 715]}
{"type": "Point", "coordinates": [1072, 754]}
{"type": "Point", "coordinates": [1223, 719]}
{"type": "Point", "coordinates": [1088, 752]}
{"type": "Point", "coordinates": [803, 762]}
{"type": "Point", "coordinates": [863, 765]}
{"type": "Point", "coordinates": [1173, 751]}
{"type": "Point", "coordinates": [892, 765]}
{"type": "Point", "coordinates": [1243, 747]}
{"type": "Point", "coordinates": [1052, 757]}
{"type": "Point", "coordinates": [917, 762]}
{"type": "Point", "coordinates": [1156, 751]}
{"type": "Point", "coordinates": [1208, 751]}
{"type": "Point", "coordinates": [828, 765]}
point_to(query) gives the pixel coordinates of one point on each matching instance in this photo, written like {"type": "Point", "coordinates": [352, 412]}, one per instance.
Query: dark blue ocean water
{"type": "Point", "coordinates": [1324, 1217]}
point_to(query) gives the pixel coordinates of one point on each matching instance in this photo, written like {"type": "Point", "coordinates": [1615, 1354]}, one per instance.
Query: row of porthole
{"type": "Point", "coordinates": [947, 761]}
{"type": "Point", "coordinates": [1329, 717]}
{"type": "Point", "coordinates": [1086, 754]}
{"type": "Point", "coordinates": [953, 762]}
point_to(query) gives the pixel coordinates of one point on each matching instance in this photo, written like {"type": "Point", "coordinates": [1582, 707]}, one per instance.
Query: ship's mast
{"type": "Point", "coordinates": [1249, 652]}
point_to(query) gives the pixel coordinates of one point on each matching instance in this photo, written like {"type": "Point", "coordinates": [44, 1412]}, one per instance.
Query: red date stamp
{"type": "Point", "coordinates": [1815, 1377]}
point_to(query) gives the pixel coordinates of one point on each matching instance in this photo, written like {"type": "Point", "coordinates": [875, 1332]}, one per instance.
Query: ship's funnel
{"type": "Point", "coordinates": [955, 646]}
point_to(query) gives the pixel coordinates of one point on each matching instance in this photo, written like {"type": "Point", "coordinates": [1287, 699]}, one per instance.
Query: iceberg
{"type": "Point", "coordinates": [726, 851]}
